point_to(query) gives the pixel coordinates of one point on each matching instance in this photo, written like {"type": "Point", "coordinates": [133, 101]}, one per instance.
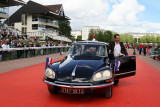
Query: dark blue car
{"type": "Point", "coordinates": [87, 69]}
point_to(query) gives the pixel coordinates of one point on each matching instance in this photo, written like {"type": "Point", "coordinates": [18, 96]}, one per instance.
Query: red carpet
{"type": "Point", "coordinates": [25, 88]}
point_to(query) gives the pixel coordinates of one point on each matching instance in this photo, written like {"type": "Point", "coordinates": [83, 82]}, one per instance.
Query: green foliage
{"type": "Point", "coordinates": [79, 38]}
{"type": "Point", "coordinates": [158, 39]}
{"type": "Point", "coordinates": [108, 36]}
{"type": "Point", "coordinates": [64, 28]}
{"type": "Point", "coordinates": [150, 39]}
{"type": "Point", "coordinates": [126, 38]}
{"type": "Point", "coordinates": [101, 35]}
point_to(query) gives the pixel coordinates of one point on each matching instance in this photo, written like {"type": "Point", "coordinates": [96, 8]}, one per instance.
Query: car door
{"type": "Point", "coordinates": [124, 67]}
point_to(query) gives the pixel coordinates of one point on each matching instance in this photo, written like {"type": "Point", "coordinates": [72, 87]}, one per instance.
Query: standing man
{"type": "Point", "coordinates": [116, 49]}
{"type": "Point", "coordinates": [140, 48]}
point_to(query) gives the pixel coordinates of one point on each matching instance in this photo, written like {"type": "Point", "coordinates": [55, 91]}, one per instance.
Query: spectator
{"type": "Point", "coordinates": [4, 53]}
{"type": "Point", "coordinates": [144, 50]}
{"type": "Point", "coordinates": [0, 52]}
{"type": "Point", "coordinates": [140, 48]}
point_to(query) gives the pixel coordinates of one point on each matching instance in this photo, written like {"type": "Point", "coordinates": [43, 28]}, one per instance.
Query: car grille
{"type": "Point", "coordinates": [73, 84]}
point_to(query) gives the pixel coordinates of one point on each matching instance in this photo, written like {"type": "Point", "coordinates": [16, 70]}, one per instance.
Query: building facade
{"type": "Point", "coordinates": [76, 33]}
{"type": "Point", "coordinates": [86, 30]}
{"type": "Point", "coordinates": [138, 35]}
{"type": "Point", "coordinates": [34, 19]}
{"type": "Point", "coordinates": [4, 8]}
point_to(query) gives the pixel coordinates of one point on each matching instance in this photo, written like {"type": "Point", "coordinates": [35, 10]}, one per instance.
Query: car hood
{"type": "Point", "coordinates": [72, 70]}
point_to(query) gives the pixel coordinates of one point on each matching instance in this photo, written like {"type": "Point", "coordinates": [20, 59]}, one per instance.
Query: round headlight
{"type": "Point", "coordinates": [107, 74]}
{"type": "Point", "coordinates": [49, 73]}
{"type": "Point", "coordinates": [97, 76]}
{"type": "Point", "coordinates": [102, 75]}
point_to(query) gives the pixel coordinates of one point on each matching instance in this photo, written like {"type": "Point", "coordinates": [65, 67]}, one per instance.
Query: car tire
{"type": "Point", "coordinates": [108, 93]}
{"type": "Point", "coordinates": [52, 91]}
{"type": "Point", "coordinates": [116, 82]}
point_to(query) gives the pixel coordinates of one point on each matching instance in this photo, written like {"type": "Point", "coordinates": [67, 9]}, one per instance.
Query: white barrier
{"type": "Point", "coordinates": [31, 48]}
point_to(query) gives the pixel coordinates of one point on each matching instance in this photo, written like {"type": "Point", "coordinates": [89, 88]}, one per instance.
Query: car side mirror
{"type": "Point", "coordinates": [106, 60]}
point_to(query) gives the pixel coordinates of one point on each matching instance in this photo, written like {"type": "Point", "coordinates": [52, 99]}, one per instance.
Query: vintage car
{"type": "Point", "coordinates": [87, 69]}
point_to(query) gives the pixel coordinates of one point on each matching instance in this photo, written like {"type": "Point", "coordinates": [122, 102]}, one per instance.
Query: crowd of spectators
{"type": "Point", "coordinates": [152, 50]}
{"type": "Point", "coordinates": [9, 39]}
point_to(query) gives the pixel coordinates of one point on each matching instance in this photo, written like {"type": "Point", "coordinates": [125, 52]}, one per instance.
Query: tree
{"type": "Point", "coordinates": [101, 35]}
{"type": "Point", "coordinates": [79, 38]}
{"type": "Point", "coordinates": [126, 38]}
{"type": "Point", "coordinates": [64, 28]}
{"type": "Point", "coordinates": [153, 39]}
{"type": "Point", "coordinates": [148, 39]}
{"type": "Point", "coordinates": [109, 36]}
{"type": "Point", "coordinates": [158, 39]}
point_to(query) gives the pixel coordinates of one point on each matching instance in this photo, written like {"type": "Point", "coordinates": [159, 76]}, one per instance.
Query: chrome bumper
{"type": "Point", "coordinates": [79, 85]}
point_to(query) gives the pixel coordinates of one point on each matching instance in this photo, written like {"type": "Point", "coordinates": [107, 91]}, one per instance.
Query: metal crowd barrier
{"type": "Point", "coordinates": [27, 52]}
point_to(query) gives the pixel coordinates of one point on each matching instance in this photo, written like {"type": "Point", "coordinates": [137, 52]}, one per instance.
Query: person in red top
{"type": "Point", "coordinates": [144, 49]}
{"type": "Point", "coordinates": [140, 48]}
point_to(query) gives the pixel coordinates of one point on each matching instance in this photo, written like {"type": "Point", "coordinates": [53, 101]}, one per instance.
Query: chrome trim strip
{"type": "Point", "coordinates": [125, 73]}
{"type": "Point", "coordinates": [74, 71]}
{"type": "Point", "coordinates": [72, 83]}
{"type": "Point", "coordinates": [71, 86]}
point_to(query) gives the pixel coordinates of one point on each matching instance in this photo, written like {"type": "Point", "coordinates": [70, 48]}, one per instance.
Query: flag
{"type": "Point", "coordinates": [48, 61]}
{"type": "Point", "coordinates": [117, 65]}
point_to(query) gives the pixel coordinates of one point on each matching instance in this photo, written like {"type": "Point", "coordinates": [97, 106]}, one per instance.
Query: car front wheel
{"type": "Point", "coordinates": [108, 93]}
{"type": "Point", "coordinates": [52, 91]}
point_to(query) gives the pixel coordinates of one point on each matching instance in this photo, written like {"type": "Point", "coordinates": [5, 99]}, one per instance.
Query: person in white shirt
{"type": "Point", "coordinates": [93, 38]}
{"type": "Point", "coordinates": [4, 53]}
{"type": "Point", "coordinates": [4, 45]}
{"type": "Point", "coordinates": [116, 49]}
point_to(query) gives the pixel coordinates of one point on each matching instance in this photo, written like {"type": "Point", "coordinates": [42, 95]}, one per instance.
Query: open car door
{"type": "Point", "coordinates": [125, 67]}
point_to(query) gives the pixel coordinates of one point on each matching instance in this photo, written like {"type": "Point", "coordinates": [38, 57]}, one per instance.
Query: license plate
{"type": "Point", "coordinates": [72, 91]}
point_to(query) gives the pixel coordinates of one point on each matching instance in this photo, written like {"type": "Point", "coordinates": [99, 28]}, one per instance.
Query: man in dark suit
{"type": "Point", "coordinates": [116, 49]}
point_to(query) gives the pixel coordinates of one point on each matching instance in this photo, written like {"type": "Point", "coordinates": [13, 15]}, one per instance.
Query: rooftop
{"type": "Point", "coordinates": [90, 42]}
{"type": "Point", "coordinates": [8, 3]}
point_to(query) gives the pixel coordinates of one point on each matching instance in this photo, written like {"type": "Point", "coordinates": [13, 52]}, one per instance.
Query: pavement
{"type": "Point", "coordinates": [9, 65]}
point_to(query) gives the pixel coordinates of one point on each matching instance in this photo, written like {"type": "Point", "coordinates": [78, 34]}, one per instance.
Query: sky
{"type": "Point", "coordinates": [120, 16]}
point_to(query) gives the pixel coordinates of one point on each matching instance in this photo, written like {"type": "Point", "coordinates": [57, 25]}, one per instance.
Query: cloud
{"type": "Point", "coordinates": [81, 12]}
{"type": "Point", "coordinates": [125, 13]}
{"type": "Point", "coordinates": [125, 18]}
{"type": "Point", "coordinates": [122, 16]}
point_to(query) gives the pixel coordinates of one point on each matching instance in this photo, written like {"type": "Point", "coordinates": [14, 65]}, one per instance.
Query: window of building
{"type": "Point", "coordinates": [61, 13]}
{"type": "Point", "coordinates": [41, 27]}
{"type": "Point", "coordinates": [42, 18]}
{"type": "Point", "coordinates": [34, 26]}
{"type": "Point", "coordinates": [34, 17]}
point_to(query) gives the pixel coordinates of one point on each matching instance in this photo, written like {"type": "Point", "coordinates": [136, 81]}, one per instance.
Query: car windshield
{"type": "Point", "coordinates": [87, 50]}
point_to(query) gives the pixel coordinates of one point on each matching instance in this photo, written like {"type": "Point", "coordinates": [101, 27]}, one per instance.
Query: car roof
{"type": "Point", "coordinates": [90, 42]}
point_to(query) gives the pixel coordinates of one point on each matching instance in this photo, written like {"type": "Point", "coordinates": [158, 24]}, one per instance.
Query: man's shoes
{"type": "Point", "coordinates": [116, 82]}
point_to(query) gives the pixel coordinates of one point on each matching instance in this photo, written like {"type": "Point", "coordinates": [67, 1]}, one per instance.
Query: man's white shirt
{"type": "Point", "coordinates": [117, 50]}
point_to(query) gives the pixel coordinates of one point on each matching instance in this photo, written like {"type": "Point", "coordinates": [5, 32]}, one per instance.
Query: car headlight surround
{"type": "Point", "coordinates": [49, 73]}
{"type": "Point", "coordinates": [102, 75]}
